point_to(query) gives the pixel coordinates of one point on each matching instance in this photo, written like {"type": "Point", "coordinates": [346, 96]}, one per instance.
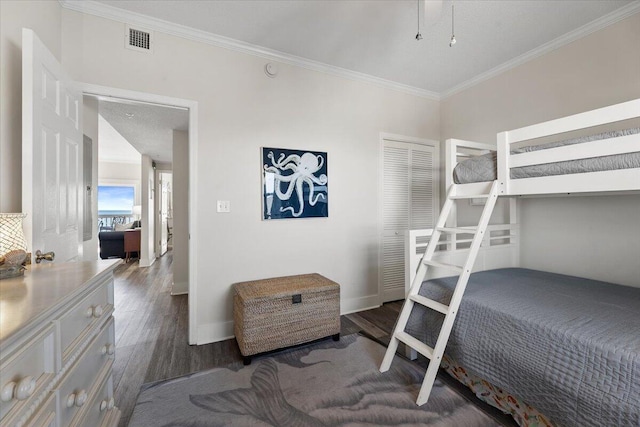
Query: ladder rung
{"type": "Point", "coordinates": [459, 230]}
{"type": "Point", "coordinates": [474, 196]}
{"type": "Point", "coordinates": [434, 305]}
{"type": "Point", "coordinates": [443, 265]}
{"type": "Point", "coordinates": [418, 346]}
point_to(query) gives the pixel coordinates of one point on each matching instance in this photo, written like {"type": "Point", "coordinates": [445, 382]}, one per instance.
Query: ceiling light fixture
{"type": "Point", "coordinates": [418, 36]}
{"type": "Point", "coordinates": [453, 37]}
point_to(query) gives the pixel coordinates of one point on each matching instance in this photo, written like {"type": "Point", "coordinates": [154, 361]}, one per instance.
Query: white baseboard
{"type": "Point", "coordinates": [214, 332]}
{"type": "Point", "coordinates": [147, 262]}
{"type": "Point", "coordinates": [220, 331]}
{"type": "Point", "coordinates": [179, 288]}
{"type": "Point", "coordinates": [352, 305]}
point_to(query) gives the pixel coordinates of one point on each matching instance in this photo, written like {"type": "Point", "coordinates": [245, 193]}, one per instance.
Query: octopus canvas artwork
{"type": "Point", "coordinates": [294, 184]}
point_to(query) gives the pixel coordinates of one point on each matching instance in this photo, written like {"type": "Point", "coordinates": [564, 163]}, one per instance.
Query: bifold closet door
{"type": "Point", "coordinates": [408, 203]}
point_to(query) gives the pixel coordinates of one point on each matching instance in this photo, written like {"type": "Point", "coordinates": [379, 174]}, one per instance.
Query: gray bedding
{"type": "Point", "coordinates": [567, 346]}
{"type": "Point", "coordinates": [483, 168]}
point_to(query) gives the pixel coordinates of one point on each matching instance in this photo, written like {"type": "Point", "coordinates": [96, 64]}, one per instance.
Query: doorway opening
{"type": "Point", "coordinates": [167, 172]}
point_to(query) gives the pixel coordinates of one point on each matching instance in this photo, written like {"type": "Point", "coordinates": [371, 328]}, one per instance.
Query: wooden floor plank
{"type": "Point", "coordinates": [152, 333]}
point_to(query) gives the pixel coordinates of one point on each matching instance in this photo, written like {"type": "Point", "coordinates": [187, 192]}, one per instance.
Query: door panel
{"type": "Point", "coordinates": [395, 220]}
{"type": "Point", "coordinates": [409, 201]}
{"type": "Point", "coordinates": [51, 153]}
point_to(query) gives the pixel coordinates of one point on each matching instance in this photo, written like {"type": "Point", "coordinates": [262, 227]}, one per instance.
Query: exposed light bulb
{"type": "Point", "coordinates": [418, 36]}
{"type": "Point", "coordinates": [453, 41]}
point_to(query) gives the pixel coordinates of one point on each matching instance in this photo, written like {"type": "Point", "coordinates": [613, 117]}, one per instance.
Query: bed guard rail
{"type": "Point", "coordinates": [499, 249]}
{"type": "Point", "coordinates": [601, 116]}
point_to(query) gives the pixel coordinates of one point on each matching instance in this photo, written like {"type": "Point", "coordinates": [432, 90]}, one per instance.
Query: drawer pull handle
{"type": "Point", "coordinates": [107, 404]}
{"type": "Point", "coordinates": [77, 399]}
{"type": "Point", "coordinates": [108, 349]}
{"type": "Point", "coordinates": [97, 311]}
{"type": "Point", "coordinates": [94, 311]}
{"type": "Point", "coordinates": [20, 391]}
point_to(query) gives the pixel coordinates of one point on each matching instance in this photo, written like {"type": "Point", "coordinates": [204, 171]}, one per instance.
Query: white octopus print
{"type": "Point", "coordinates": [288, 171]}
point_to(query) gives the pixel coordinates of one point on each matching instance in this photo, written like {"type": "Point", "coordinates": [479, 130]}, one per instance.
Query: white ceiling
{"type": "Point", "coordinates": [147, 127]}
{"type": "Point", "coordinates": [113, 147]}
{"type": "Point", "coordinates": [368, 37]}
{"type": "Point", "coordinates": [377, 37]}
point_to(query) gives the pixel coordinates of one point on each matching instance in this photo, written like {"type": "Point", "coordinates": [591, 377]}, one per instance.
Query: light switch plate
{"type": "Point", "coordinates": [224, 206]}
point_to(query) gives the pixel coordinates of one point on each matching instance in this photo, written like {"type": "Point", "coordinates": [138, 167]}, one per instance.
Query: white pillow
{"type": "Point", "coordinates": [122, 227]}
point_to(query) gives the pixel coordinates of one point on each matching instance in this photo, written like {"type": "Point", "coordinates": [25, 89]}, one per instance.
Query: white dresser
{"type": "Point", "coordinates": [57, 346]}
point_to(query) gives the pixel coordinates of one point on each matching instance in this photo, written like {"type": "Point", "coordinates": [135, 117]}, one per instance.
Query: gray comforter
{"type": "Point", "coordinates": [483, 168]}
{"type": "Point", "coordinates": [567, 346]}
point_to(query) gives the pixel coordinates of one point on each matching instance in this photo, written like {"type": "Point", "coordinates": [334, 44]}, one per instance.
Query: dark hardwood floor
{"type": "Point", "coordinates": [152, 335]}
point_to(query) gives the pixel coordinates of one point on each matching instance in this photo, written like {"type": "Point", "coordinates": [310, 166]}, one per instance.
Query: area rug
{"type": "Point", "coordinates": [324, 384]}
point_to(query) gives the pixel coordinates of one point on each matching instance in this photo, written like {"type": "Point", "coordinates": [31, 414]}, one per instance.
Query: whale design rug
{"type": "Point", "coordinates": [326, 383]}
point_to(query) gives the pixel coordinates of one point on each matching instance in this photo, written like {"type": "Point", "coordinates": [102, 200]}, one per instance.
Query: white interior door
{"type": "Point", "coordinates": [409, 201]}
{"type": "Point", "coordinates": [51, 153]}
{"type": "Point", "coordinates": [163, 211]}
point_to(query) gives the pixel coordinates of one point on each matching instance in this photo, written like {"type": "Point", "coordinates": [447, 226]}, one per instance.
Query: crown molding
{"type": "Point", "coordinates": [578, 33]}
{"type": "Point", "coordinates": [116, 14]}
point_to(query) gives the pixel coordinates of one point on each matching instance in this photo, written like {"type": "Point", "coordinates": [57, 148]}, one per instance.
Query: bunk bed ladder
{"type": "Point", "coordinates": [399, 335]}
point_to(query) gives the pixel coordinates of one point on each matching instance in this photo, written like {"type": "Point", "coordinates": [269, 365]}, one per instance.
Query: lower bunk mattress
{"type": "Point", "coordinates": [567, 346]}
{"type": "Point", "coordinates": [483, 168]}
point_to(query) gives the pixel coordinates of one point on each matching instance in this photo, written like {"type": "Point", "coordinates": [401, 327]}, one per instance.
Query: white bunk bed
{"type": "Point", "coordinates": [591, 182]}
{"type": "Point", "coordinates": [497, 246]}
{"type": "Point", "coordinates": [500, 246]}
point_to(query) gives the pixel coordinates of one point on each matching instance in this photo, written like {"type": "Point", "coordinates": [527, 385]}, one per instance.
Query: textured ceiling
{"type": "Point", "coordinates": [377, 37]}
{"type": "Point", "coordinates": [148, 128]}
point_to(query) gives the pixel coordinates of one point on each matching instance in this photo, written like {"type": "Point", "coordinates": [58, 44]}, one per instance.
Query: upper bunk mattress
{"type": "Point", "coordinates": [483, 168]}
{"type": "Point", "coordinates": [569, 347]}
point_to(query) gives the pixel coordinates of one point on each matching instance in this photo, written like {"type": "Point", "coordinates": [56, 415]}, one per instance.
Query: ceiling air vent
{"type": "Point", "coordinates": [138, 39]}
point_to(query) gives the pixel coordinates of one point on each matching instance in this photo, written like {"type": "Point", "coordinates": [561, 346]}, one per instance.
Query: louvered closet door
{"type": "Point", "coordinates": [409, 202]}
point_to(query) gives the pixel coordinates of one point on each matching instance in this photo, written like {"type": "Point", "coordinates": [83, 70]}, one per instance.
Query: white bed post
{"type": "Point", "coordinates": [451, 160]}
{"type": "Point", "coordinates": [504, 154]}
{"type": "Point", "coordinates": [514, 220]}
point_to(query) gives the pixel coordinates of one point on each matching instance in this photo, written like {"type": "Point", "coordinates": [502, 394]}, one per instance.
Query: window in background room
{"type": "Point", "coordinates": [115, 205]}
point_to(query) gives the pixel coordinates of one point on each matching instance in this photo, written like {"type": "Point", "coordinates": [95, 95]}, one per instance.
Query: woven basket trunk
{"type": "Point", "coordinates": [266, 317]}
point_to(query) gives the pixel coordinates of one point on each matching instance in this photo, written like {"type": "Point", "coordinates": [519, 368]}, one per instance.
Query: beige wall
{"type": "Point", "coordinates": [108, 171]}
{"type": "Point", "coordinates": [241, 110]}
{"type": "Point", "coordinates": [180, 192]}
{"type": "Point", "coordinates": [44, 17]}
{"type": "Point", "coordinates": [595, 237]}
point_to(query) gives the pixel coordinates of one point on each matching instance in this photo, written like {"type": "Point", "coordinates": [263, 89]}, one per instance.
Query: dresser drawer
{"type": "Point", "coordinates": [77, 321]}
{"type": "Point", "coordinates": [24, 373]}
{"type": "Point", "coordinates": [101, 406]}
{"type": "Point", "coordinates": [46, 416]}
{"type": "Point", "coordinates": [74, 389]}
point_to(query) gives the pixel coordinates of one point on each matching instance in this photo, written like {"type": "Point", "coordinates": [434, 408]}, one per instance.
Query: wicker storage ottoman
{"type": "Point", "coordinates": [273, 313]}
